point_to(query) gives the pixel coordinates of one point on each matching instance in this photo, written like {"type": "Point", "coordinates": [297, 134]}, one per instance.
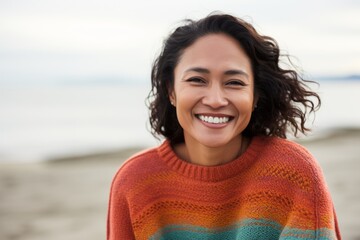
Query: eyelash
{"type": "Point", "coordinates": [236, 82]}
{"type": "Point", "coordinates": [198, 80]}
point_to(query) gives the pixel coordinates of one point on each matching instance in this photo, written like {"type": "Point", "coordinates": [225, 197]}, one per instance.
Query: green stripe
{"type": "Point", "coordinates": [249, 229]}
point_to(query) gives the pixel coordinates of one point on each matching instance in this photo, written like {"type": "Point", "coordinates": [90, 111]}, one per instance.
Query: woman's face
{"type": "Point", "coordinates": [213, 91]}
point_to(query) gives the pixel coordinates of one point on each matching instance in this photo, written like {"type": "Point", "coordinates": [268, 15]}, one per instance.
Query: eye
{"type": "Point", "coordinates": [238, 83]}
{"type": "Point", "coordinates": [196, 80]}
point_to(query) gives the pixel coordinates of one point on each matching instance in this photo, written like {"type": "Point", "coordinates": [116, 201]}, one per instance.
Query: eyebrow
{"type": "Point", "coordinates": [228, 72]}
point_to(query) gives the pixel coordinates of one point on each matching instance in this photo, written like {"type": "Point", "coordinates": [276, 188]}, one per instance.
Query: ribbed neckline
{"type": "Point", "coordinates": [210, 173]}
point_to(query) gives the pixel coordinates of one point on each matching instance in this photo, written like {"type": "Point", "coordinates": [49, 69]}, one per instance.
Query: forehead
{"type": "Point", "coordinates": [214, 52]}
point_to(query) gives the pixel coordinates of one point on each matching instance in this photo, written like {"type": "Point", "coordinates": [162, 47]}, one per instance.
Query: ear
{"type": "Point", "coordinates": [172, 97]}
{"type": "Point", "coordinates": [256, 98]}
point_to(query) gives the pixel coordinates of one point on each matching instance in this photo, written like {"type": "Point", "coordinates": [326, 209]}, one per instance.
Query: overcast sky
{"type": "Point", "coordinates": [85, 40]}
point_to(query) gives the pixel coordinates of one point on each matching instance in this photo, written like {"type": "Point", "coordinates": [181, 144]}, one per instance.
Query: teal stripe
{"type": "Point", "coordinates": [246, 229]}
{"type": "Point", "coordinates": [250, 229]}
{"type": "Point", "coordinates": [293, 234]}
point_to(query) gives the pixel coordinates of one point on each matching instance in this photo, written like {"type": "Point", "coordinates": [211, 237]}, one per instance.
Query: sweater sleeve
{"type": "Point", "coordinates": [119, 221]}
{"type": "Point", "coordinates": [325, 212]}
{"type": "Point", "coordinates": [314, 209]}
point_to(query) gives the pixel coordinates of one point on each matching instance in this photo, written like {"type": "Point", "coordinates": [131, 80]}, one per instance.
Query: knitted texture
{"type": "Point", "coordinates": [275, 190]}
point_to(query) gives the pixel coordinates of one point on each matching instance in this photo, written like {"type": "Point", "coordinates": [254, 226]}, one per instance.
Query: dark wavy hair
{"type": "Point", "coordinates": [284, 100]}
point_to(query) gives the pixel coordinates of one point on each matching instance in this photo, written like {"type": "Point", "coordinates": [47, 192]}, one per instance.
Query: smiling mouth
{"type": "Point", "coordinates": [213, 119]}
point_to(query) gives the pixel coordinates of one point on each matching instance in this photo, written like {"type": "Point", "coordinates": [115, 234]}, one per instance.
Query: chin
{"type": "Point", "coordinates": [213, 143]}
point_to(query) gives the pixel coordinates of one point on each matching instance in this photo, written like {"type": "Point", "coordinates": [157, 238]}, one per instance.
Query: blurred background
{"type": "Point", "coordinates": [74, 76]}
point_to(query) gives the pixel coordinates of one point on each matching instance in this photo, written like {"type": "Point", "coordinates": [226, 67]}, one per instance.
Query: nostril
{"type": "Point", "coordinates": [215, 101]}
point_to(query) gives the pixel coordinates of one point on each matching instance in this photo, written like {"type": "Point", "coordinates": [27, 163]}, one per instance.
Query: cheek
{"type": "Point", "coordinates": [186, 100]}
{"type": "Point", "coordinates": [184, 109]}
{"type": "Point", "coordinates": [187, 97]}
{"type": "Point", "coordinates": [244, 101]}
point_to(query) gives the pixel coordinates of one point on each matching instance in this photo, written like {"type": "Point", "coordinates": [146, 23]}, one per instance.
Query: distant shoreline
{"type": "Point", "coordinates": [125, 152]}
{"type": "Point", "coordinates": [354, 77]}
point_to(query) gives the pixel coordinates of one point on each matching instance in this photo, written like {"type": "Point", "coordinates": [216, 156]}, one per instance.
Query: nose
{"type": "Point", "coordinates": [215, 97]}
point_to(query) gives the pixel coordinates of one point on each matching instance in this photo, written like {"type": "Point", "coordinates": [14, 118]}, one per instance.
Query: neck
{"type": "Point", "coordinates": [199, 154]}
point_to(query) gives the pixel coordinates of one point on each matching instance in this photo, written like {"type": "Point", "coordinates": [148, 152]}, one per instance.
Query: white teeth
{"type": "Point", "coordinates": [215, 120]}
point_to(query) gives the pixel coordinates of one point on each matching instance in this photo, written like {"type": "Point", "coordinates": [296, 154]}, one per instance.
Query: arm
{"type": "Point", "coordinates": [326, 220]}
{"type": "Point", "coordinates": [119, 222]}
{"type": "Point", "coordinates": [325, 212]}
{"type": "Point", "coordinates": [314, 211]}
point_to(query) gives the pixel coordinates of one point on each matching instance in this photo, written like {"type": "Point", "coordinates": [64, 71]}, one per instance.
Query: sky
{"type": "Point", "coordinates": [49, 41]}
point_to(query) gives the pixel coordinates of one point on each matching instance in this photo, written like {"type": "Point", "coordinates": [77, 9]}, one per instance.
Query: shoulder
{"type": "Point", "coordinates": [290, 158]}
{"type": "Point", "coordinates": [138, 167]}
{"type": "Point", "coordinates": [284, 148]}
{"type": "Point", "coordinates": [138, 161]}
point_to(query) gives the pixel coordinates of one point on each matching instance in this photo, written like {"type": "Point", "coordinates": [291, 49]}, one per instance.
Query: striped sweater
{"type": "Point", "coordinates": [275, 190]}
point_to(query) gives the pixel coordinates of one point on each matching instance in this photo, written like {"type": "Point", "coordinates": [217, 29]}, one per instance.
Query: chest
{"type": "Point", "coordinates": [229, 207]}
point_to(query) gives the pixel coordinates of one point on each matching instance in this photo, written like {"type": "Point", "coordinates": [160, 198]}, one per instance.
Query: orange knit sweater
{"type": "Point", "coordinates": [275, 190]}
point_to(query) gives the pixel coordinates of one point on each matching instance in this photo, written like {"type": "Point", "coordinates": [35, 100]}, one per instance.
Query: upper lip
{"type": "Point", "coordinates": [214, 115]}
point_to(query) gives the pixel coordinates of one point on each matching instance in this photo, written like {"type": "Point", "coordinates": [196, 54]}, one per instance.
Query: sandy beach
{"type": "Point", "coordinates": [67, 198]}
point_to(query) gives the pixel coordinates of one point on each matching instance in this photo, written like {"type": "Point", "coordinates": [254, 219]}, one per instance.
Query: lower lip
{"type": "Point", "coordinates": [214, 125]}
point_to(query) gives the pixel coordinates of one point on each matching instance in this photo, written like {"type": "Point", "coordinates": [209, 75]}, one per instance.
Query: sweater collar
{"type": "Point", "coordinates": [211, 173]}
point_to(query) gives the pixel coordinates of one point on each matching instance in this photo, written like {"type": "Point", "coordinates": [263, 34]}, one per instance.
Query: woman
{"type": "Point", "coordinates": [225, 170]}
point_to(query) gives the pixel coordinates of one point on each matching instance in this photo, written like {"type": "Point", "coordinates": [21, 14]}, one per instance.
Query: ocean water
{"type": "Point", "coordinates": [43, 122]}
{"type": "Point", "coordinates": [339, 109]}
{"type": "Point", "coordinates": [39, 123]}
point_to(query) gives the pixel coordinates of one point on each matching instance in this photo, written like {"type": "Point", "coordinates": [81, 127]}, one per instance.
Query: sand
{"type": "Point", "coordinates": [67, 198]}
